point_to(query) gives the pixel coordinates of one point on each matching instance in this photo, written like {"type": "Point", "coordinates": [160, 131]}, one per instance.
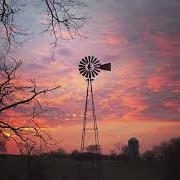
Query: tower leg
{"type": "Point", "coordinates": [84, 121]}
{"type": "Point", "coordinates": [95, 128]}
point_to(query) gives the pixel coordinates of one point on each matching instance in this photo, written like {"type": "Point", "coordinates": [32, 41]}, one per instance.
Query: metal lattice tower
{"type": "Point", "coordinates": [89, 115]}
{"type": "Point", "coordinates": [89, 67]}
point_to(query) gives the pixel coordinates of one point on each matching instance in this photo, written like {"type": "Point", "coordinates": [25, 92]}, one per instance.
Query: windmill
{"type": "Point", "coordinates": [89, 67]}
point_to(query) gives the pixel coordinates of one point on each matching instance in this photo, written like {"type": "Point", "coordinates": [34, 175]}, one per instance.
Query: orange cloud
{"type": "Point", "coordinates": [135, 105]}
{"type": "Point", "coordinates": [156, 83]}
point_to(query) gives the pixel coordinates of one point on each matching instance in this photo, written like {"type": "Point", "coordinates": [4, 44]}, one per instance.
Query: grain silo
{"type": "Point", "coordinates": [133, 146]}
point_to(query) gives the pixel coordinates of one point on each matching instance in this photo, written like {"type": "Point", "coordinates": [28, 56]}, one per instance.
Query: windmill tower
{"type": "Point", "coordinates": [89, 67]}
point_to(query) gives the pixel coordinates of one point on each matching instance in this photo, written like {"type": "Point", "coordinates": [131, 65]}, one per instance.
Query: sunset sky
{"type": "Point", "coordinates": [141, 95]}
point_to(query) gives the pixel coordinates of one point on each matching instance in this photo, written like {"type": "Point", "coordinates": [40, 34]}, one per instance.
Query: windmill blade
{"type": "Point", "coordinates": [106, 67]}
{"type": "Point", "coordinates": [81, 69]}
{"type": "Point", "coordinates": [84, 61]}
{"type": "Point", "coordinates": [97, 65]}
{"type": "Point", "coordinates": [95, 73]}
{"type": "Point", "coordinates": [81, 66]}
{"type": "Point", "coordinates": [87, 60]}
{"type": "Point", "coordinates": [90, 75]}
{"type": "Point", "coordinates": [94, 59]}
{"type": "Point", "coordinates": [96, 69]}
{"type": "Point", "coordinates": [87, 74]}
{"type": "Point", "coordinates": [84, 73]}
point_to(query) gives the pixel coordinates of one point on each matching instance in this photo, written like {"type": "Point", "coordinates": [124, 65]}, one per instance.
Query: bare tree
{"type": "Point", "coordinates": [61, 16]}
{"type": "Point", "coordinates": [125, 150]}
{"type": "Point", "coordinates": [8, 9]}
{"type": "Point", "coordinates": [118, 147]}
{"type": "Point", "coordinates": [17, 97]}
{"type": "Point", "coordinates": [64, 15]}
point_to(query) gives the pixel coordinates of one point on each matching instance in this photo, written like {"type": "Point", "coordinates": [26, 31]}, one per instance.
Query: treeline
{"type": "Point", "coordinates": [166, 150]}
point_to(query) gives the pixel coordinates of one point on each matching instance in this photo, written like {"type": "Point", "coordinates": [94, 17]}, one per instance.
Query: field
{"type": "Point", "coordinates": [53, 168]}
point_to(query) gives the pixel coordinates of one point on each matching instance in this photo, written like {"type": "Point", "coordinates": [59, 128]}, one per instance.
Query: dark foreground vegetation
{"type": "Point", "coordinates": [160, 163]}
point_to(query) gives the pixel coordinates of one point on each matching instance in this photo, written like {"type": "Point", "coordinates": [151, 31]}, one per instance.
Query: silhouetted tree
{"type": "Point", "coordinates": [60, 151]}
{"type": "Point", "coordinates": [60, 16]}
{"type": "Point", "coordinates": [74, 152]}
{"type": "Point", "coordinates": [20, 98]}
{"type": "Point", "coordinates": [169, 152]}
{"type": "Point", "coordinates": [124, 155]}
{"type": "Point", "coordinates": [117, 147]}
{"type": "Point", "coordinates": [124, 149]}
{"type": "Point", "coordinates": [56, 153]}
{"type": "Point", "coordinates": [149, 155]}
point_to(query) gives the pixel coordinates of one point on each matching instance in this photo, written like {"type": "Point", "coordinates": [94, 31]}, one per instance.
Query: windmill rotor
{"type": "Point", "coordinates": [90, 66]}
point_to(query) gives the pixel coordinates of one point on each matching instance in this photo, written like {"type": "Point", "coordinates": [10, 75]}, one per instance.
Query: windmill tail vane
{"type": "Point", "coordinates": [106, 67]}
